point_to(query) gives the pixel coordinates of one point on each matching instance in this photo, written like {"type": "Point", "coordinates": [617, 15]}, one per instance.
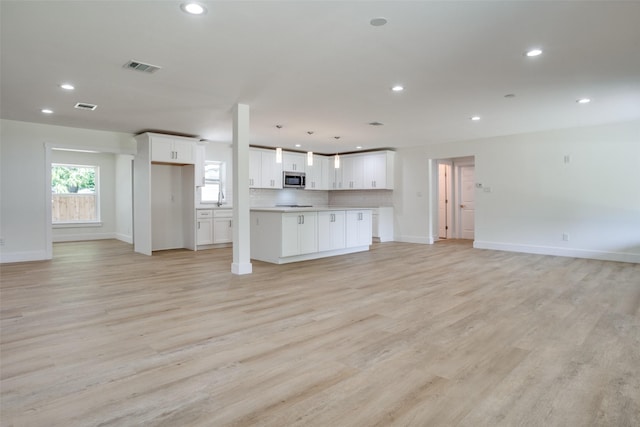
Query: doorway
{"type": "Point", "coordinates": [456, 198]}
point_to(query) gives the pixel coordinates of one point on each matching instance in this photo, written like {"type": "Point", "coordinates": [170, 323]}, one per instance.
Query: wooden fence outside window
{"type": "Point", "coordinates": [74, 207]}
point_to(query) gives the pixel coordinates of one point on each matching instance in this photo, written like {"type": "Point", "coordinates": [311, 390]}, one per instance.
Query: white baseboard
{"type": "Point", "coordinates": [24, 256]}
{"type": "Point", "coordinates": [240, 268]}
{"type": "Point", "coordinates": [415, 239]}
{"type": "Point", "coordinates": [124, 238]}
{"type": "Point", "coordinates": [566, 252]}
{"type": "Point", "coordinates": [83, 237]}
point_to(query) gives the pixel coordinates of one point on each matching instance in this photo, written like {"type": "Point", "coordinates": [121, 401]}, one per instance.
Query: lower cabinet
{"type": "Point", "coordinates": [359, 228]}
{"type": "Point", "coordinates": [281, 237]}
{"type": "Point", "coordinates": [299, 233]}
{"type": "Point", "coordinates": [204, 227]}
{"type": "Point", "coordinates": [214, 226]}
{"type": "Point", "coordinates": [331, 230]}
{"type": "Point", "coordinates": [222, 226]}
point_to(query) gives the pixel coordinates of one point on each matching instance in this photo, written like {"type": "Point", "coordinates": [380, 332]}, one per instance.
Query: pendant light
{"type": "Point", "coordinates": [278, 149]}
{"type": "Point", "coordinates": [309, 158]}
{"type": "Point", "coordinates": [336, 161]}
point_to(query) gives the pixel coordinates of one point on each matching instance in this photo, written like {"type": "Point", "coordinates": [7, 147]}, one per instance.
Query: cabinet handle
{"type": "Point", "coordinates": [302, 218]}
{"type": "Point", "coordinates": [230, 221]}
{"type": "Point", "coordinates": [198, 225]}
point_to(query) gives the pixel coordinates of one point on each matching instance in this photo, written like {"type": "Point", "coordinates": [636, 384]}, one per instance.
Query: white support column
{"type": "Point", "coordinates": [241, 221]}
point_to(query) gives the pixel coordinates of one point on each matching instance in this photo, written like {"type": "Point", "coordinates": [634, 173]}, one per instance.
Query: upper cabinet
{"type": "Point", "coordinates": [264, 172]}
{"type": "Point", "coordinates": [293, 162]}
{"type": "Point", "coordinates": [317, 175]}
{"type": "Point", "coordinates": [367, 171]}
{"type": "Point", "coordinates": [172, 149]}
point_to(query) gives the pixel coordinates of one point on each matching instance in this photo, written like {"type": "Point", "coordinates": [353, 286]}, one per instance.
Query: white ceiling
{"type": "Point", "coordinates": [320, 66]}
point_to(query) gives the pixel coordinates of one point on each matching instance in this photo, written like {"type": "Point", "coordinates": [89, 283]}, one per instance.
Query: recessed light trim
{"type": "Point", "coordinates": [475, 118]}
{"type": "Point", "coordinates": [583, 100]}
{"type": "Point", "coordinates": [359, 147]}
{"type": "Point", "coordinates": [533, 52]}
{"type": "Point", "coordinates": [397, 88]}
{"type": "Point", "coordinates": [193, 8]}
{"type": "Point", "coordinates": [376, 124]}
{"type": "Point", "coordinates": [67, 86]}
{"type": "Point", "coordinates": [46, 111]}
{"type": "Point", "coordinates": [298, 145]}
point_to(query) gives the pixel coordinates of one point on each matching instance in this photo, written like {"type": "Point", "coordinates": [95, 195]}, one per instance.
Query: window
{"type": "Point", "coordinates": [213, 190]}
{"type": "Point", "coordinates": [74, 194]}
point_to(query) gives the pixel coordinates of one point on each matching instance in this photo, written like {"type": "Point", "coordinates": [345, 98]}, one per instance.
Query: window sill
{"type": "Point", "coordinates": [77, 225]}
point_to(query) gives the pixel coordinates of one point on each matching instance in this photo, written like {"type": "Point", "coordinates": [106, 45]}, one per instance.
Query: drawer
{"type": "Point", "coordinates": [223, 213]}
{"type": "Point", "coordinates": [204, 213]}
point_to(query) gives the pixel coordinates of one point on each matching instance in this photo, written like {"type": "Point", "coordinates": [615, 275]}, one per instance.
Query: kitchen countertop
{"type": "Point", "coordinates": [285, 209]}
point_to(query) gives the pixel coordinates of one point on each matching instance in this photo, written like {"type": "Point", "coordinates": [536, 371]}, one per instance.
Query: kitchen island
{"type": "Point", "coordinates": [281, 235]}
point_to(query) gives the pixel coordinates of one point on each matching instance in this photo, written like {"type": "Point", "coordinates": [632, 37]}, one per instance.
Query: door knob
{"type": "Point", "coordinates": [462, 206]}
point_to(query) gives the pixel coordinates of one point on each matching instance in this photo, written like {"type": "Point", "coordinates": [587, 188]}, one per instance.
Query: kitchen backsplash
{"type": "Point", "coordinates": [361, 198]}
{"type": "Point", "coordinates": [288, 196]}
{"type": "Point", "coordinates": [356, 198]}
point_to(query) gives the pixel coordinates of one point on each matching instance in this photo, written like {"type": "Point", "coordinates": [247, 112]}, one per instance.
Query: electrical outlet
{"type": "Point", "coordinates": [565, 237]}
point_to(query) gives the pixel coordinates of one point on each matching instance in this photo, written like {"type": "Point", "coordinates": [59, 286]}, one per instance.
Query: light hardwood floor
{"type": "Point", "coordinates": [403, 335]}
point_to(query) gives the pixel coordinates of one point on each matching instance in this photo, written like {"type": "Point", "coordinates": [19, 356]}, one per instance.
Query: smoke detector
{"type": "Point", "coordinates": [141, 66]}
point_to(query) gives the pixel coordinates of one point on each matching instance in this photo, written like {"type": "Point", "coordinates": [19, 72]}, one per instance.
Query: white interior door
{"type": "Point", "coordinates": [467, 205]}
{"type": "Point", "coordinates": [444, 211]}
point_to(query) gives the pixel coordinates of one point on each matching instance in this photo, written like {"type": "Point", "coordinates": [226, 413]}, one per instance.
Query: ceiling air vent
{"type": "Point", "coordinates": [85, 106]}
{"type": "Point", "coordinates": [141, 66]}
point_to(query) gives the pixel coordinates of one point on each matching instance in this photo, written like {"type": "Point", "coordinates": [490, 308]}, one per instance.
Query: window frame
{"type": "Point", "coordinates": [220, 181]}
{"type": "Point", "coordinates": [79, 223]}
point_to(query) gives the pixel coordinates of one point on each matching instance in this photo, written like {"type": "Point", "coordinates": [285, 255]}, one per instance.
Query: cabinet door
{"type": "Point", "coordinates": [162, 149]}
{"type": "Point", "coordinates": [375, 171]}
{"type": "Point", "coordinates": [331, 230]}
{"type": "Point", "coordinates": [294, 162]}
{"type": "Point", "coordinates": [222, 230]}
{"type": "Point", "coordinates": [183, 151]}
{"type": "Point", "coordinates": [358, 228]}
{"type": "Point", "coordinates": [308, 233]}
{"type": "Point", "coordinates": [290, 222]}
{"type": "Point", "coordinates": [271, 171]}
{"type": "Point", "coordinates": [204, 231]}
{"type": "Point", "coordinates": [353, 172]}
{"type": "Point", "coordinates": [255, 168]}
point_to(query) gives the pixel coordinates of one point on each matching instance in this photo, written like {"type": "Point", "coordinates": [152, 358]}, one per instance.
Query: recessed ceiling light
{"type": "Point", "coordinates": [397, 88]}
{"type": "Point", "coordinates": [298, 145]}
{"type": "Point", "coordinates": [67, 86]}
{"type": "Point", "coordinates": [378, 22]}
{"type": "Point", "coordinates": [359, 147]}
{"type": "Point", "coordinates": [193, 8]}
{"type": "Point", "coordinates": [533, 52]}
{"type": "Point", "coordinates": [583, 101]}
{"type": "Point", "coordinates": [475, 118]}
{"type": "Point", "coordinates": [510, 95]}
{"type": "Point", "coordinates": [336, 137]}
{"type": "Point", "coordinates": [376, 124]}
{"type": "Point", "coordinates": [47, 111]}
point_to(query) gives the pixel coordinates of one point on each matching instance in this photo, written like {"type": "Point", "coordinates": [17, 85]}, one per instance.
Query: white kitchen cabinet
{"type": "Point", "coordinates": [284, 235]}
{"type": "Point", "coordinates": [264, 172]}
{"type": "Point", "coordinates": [359, 228]}
{"type": "Point", "coordinates": [352, 172]}
{"type": "Point", "coordinates": [378, 170]}
{"type": "Point", "coordinates": [299, 233]}
{"type": "Point", "coordinates": [204, 227]}
{"type": "Point", "coordinates": [335, 175]}
{"type": "Point", "coordinates": [163, 194]}
{"type": "Point", "coordinates": [170, 149]}
{"type": "Point", "coordinates": [317, 175]}
{"type": "Point", "coordinates": [331, 230]}
{"type": "Point", "coordinates": [199, 156]}
{"type": "Point", "coordinates": [222, 226]}
{"type": "Point", "coordinates": [295, 162]}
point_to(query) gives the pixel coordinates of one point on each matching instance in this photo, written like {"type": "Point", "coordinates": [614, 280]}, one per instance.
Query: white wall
{"type": "Point", "coordinates": [123, 198]}
{"type": "Point", "coordinates": [536, 197]}
{"type": "Point", "coordinates": [23, 196]}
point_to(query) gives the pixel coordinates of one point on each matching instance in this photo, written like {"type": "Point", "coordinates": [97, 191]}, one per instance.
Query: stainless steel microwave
{"type": "Point", "coordinates": [293, 179]}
